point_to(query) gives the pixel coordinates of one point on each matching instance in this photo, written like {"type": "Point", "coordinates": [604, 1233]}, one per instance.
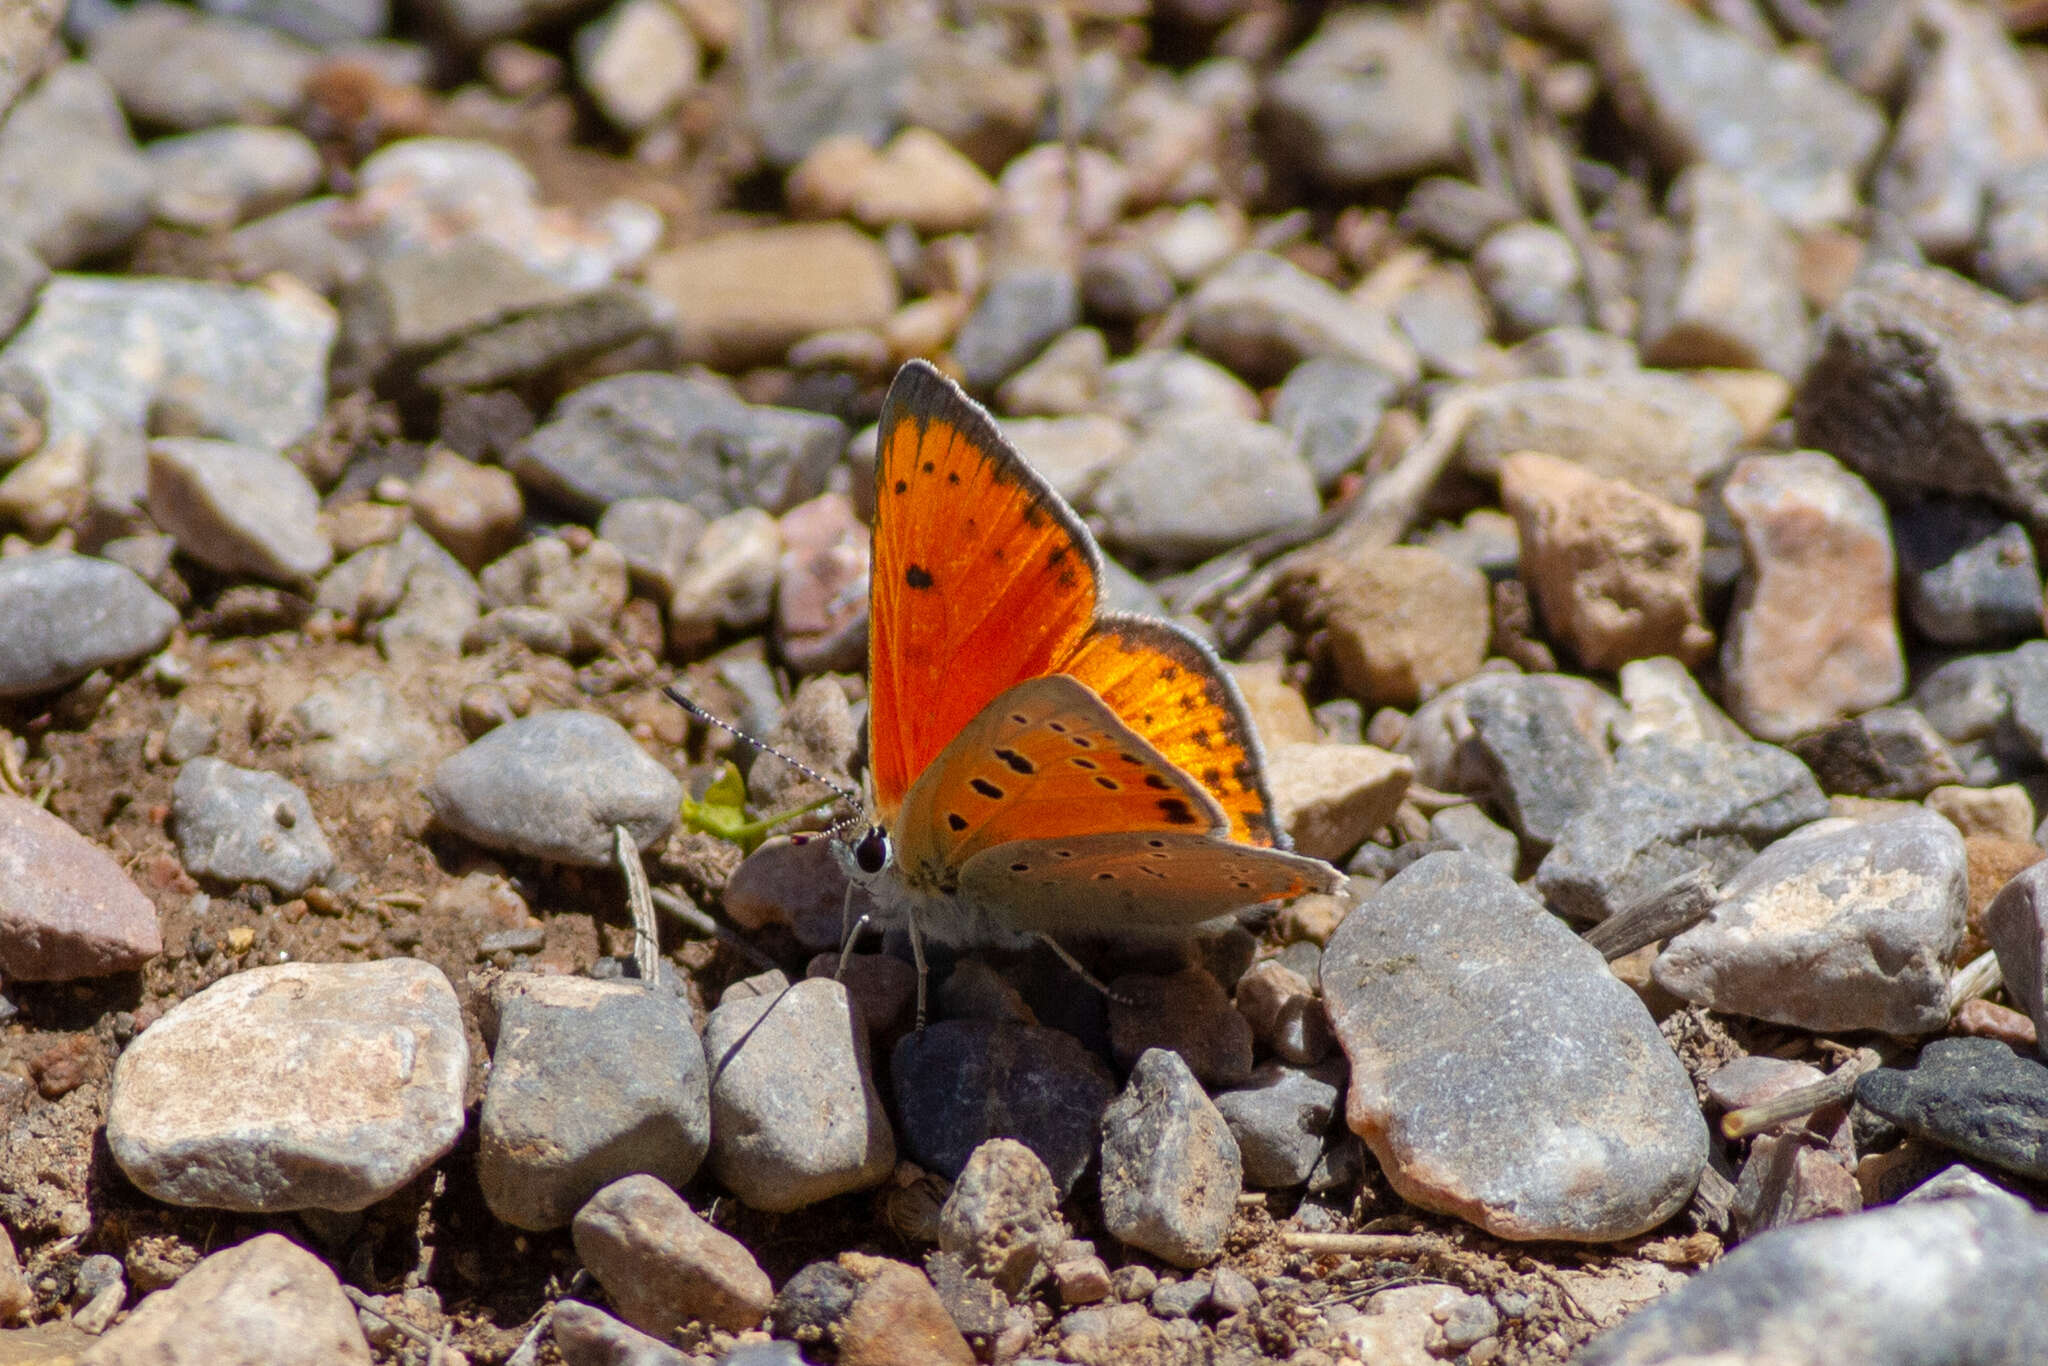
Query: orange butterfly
{"type": "Point", "coordinates": [1036, 766]}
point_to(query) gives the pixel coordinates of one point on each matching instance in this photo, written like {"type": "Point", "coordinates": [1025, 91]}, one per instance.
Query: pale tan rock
{"type": "Point", "coordinates": [472, 510]}
{"type": "Point", "coordinates": [743, 298]}
{"type": "Point", "coordinates": [1280, 714]}
{"type": "Point", "coordinates": [1328, 798]}
{"type": "Point", "coordinates": [265, 1302]}
{"type": "Point", "coordinates": [2007, 811]}
{"type": "Point", "coordinates": [1404, 623]}
{"type": "Point", "coordinates": [1616, 570]}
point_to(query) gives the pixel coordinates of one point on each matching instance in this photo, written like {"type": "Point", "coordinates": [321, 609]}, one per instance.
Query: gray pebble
{"type": "Point", "coordinates": [305, 239]}
{"type": "Point", "coordinates": [1188, 1014]}
{"type": "Point", "coordinates": [1456, 215]}
{"type": "Point", "coordinates": [1124, 283]}
{"type": "Point", "coordinates": [1262, 315]}
{"type": "Point", "coordinates": [1171, 1172]}
{"type": "Point", "coordinates": [1790, 131]}
{"type": "Point", "coordinates": [961, 1082]}
{"type": "Point", "coordinates": [211, 180]}
{"type": "Point", "coordinates": [64, 615]}
{"type": "Point", "coordinates": [73, 186]}
{"type": "Point", "coordinates": [2016, 924]}
{"type": "Point", "coordinates": [1659, 431]}
{"type": "Point", "coordinates": [1531, 277]}
{"type": "Point", "coordinates": [1198, 485]}
{"type": "Point", "coordinates": [1574, 1119]}
{"type": "Point", "coordinates": [587, 1336]}
{"type": "Point", "coordinates": [245, 825]}
{"type": "Point", "coordinates": [1181, 1299]}
{"type": "Point", "coordinates": [2013, 255]}
{"type": "Point", "coordinates": [1277, 998]}
{"type": "Point", "coordinates": [263, 1302]}
{"type": "Point", "coordinates": [1975, 1096]}
{"type": "Point", "coordinates": [1891, 752]}
{"type": "Point", "coordinates": [1890, 1287]}
{"type": "Point", "coordinates": [1967, 575]}
{"type": "Point", "coordinates": [1973, 420]}
{"type": "Point", "coordinates": [238, 509]}
{"type": "Point", "coordinates": [795, 1115]}
{"type": "Point", "coordinates": [1002, 1217]}
{"type": "Point", "coordinates": [1672, 808]}
{"type": "Point", "coordinates": [180, 69]}
{"type": "Point", "coordinates": [1729, 295]}
{"type": "Point", "coordinates": [320, 22]}
{"type": "Point", "coordinates": [1154, 386]}
{"type": "Point", "coordinates": [662, 1265]}
{"type": "Point", "coordinates": [1832, 929]}
{"type": "Point", "coordinates": [1018, 314]}
{"type": "Point", "coordinates": [670, 436]}
{"type": "Point", "coordinates": [553, 785]}
{"type": "Point", "coordinates": [1372, 96]}
{"type": "Point", "coordinates": [552, 337]}
{"type": "Point", "coordinates": [1468, 827]}
{"type": "Point", "coordinates": [1332, 407]}
{"type": "Point", "coordinates": [243, 365]}
{"type": "Point", "coordinates": [589, 1081]}
{"type": "Point", "coordinates": [656, 535]}
{"type": "Point", "coordinates": [1532, 755]}
{"type": "Point", "coordinates": [295, 1086]}
{"type": "Point", "coordinates": [1281, 1119]}
{"type": "Point", "coordinates": [358, 728]}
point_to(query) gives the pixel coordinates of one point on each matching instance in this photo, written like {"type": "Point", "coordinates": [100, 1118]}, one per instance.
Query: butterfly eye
{"type": "Point", "coordinates": [871, 855]}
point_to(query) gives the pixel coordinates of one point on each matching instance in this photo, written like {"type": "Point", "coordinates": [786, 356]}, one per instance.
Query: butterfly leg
{"type": "Point", "coordinates": [1074, 965]}
{"type": "Point", "coordinates": [917, 954]}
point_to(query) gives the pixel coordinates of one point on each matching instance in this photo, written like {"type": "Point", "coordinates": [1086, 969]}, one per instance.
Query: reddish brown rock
{"type": "Point", "coordinates": [896, 1318]}
{"type": "Point", "coordinates": [66, 908]}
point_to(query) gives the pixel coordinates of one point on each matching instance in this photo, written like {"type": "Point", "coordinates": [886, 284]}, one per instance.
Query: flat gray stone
{"type": "Point", "coordinates": [1373, 96]}
{"type": "Point", "coordinates": [264, 1302]}
{"type": "Point", "coordinates": [242, 365]}
{"type": "Point", "coordinates": [552, 786]}
{"type": "Point", "coordinates": [1171, 1172]}
{"type": "Point", "coordinates": [1670, 809]}
{"type": "Point", "coordinates": [211, 180]}
{"type": "Point", "coordinates": [73, 185]}
{"type": "Point", "coordinates": [1907, 1285]}
{"type": "Point", "coordinates": [1332, 407]}
{"type": "Point", "coordinates": [1281, 1121]}
{"type": "Point", "coordinates": [1499, 1071]}
{"type": "Point", "coordinates": [1890, 753]}
{"type": "Point", "coordinates": [1261, 315]}
{"type": "Point", "coordinates": [1799, 138]}
{"type": "Point", "coordinates": [245, 825]}
{"type": "Point", "coordinates": [293, 1086]}
{"type": "Point", "coordinates": [238, 509]}
{"type": "Point", "coordinates": [669, 436]}
{"type": "Point", "coordinates": [64, 615]}
{"type": "Point", "coordinates": [795, 1115]}
{"type": "Point", "coordinates": [1967, 574]}
{"type": "Point", "coordinates": [1019, 313]}
{"type": "Point", "coordinates": [590, 1081]}
{"type": "Point", "coordinates": [584, 1334]}
{"type": "Point", "coordinates": [1537, 763]}
{"type": "Point", "coordinates": [1195, 486]}
{"type": "Point", "coordinates": [1835, 928]}
{"type": "Point", "coordinates": [180, 69]}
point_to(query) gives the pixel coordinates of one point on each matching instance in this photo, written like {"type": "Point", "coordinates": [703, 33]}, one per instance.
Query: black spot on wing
{"type": "Point", "coordinates": [1017, 762]}
{"type": "Point", "coordinates": [1177, 812]}
{"type": "Point", "coordinates": [956, 821]}
{"type": "Point", "coordinates": [917, 576]}
{"type": "Point", "coordinates": [1109, 784]}
{"type": "Point", "coordinates": [987, 789]}
{"type": "Point", "coordinates": [1157, 783]}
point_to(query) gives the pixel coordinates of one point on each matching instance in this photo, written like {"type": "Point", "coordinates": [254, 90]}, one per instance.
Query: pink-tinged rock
{"type": "Point", "coordinates": [1814, 636]}
{"type": "Point", "coordinates": [66, 908]}
{"type": "Point", "coordinates": [267, 1301]}
{"type": "Point", "coordinates": [821, 600]}
{"type": "Point", "coordinates": [1616, 570]}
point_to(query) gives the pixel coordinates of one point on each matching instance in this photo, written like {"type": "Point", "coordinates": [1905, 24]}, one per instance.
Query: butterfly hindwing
{"type": "Point", "coordinates": [1047, 759]}
{"type": "Point", "coordinates": [982, 577]}
{"type": "Point", "coordinates": [1170, 688]}
{"type": "Point", "coordinates": [1134, 883]}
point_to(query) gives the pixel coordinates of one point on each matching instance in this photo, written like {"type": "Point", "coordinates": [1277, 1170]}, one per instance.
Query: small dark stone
{"type": "Point", "coordinates": [1975, 1096]}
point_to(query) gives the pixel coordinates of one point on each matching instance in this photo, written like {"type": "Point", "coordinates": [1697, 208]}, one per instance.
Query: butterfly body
{"type": "Point", "coordinates": [1037, 767]}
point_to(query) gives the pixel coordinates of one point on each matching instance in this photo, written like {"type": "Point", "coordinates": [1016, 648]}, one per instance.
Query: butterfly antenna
{"type": "Point", "coordinates": [851, 798]}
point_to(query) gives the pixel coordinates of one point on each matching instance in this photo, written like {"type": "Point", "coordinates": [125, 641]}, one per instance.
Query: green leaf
{"type": "Point", "coordinates": [723, 812]}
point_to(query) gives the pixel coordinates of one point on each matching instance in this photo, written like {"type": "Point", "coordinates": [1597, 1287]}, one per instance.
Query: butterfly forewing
{"type": "Point", "coordinates": [1045, 760]}
{"type": "Point", "coordinates": [1169, 687]}
{"type": "Point", "coordinates": [1132, 882]}
{"type": "Point", "coordinates": [982, 577]}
